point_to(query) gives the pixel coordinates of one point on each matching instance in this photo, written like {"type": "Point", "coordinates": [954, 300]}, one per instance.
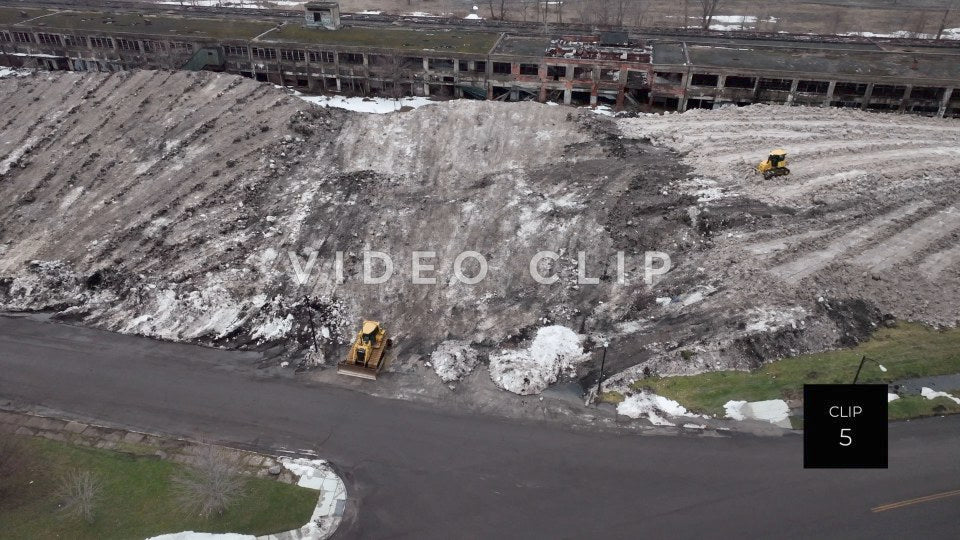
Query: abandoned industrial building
{"type": "Point", "coordinates": [319, 53]}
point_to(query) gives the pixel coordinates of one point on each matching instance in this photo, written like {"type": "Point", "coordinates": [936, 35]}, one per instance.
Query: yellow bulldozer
{"type": "Point", "coordinates": [775, 164]}
{"type": "Point", "coordinates": [366, 356]}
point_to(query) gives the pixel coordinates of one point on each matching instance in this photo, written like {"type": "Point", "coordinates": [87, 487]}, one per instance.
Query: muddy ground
{"type": "Point", "coordinates": [181, 206]}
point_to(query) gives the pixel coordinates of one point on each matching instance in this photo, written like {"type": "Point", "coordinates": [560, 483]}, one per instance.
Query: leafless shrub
{"type": "Point", "coordinates": [211, 484]}
{"type": "Point", "coordinates": [79, 492]}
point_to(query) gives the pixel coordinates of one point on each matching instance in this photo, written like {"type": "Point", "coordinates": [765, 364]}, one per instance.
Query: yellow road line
{"type": "Point", "coordinates": [918, 500]}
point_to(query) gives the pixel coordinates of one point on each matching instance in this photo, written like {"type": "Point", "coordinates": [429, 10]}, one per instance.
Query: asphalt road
{"type": "Point", "coordinates": [418, 472]}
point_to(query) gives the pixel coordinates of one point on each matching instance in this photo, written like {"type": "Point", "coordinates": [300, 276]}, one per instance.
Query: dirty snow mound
{"type": "Point", "coordinates": [774, 411]}
{"type": "Point", "coordinates": [529, 371]}
{"type": "Point", "coordinates": [930, 393]}
{"type": "Point", "coordinates": [653, 407]}
{"type": "Point", "coordinates": [453, 360]}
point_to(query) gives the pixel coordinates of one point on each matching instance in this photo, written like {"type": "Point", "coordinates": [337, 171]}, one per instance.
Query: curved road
{"type": "Point", "coordinates": [419, 472]}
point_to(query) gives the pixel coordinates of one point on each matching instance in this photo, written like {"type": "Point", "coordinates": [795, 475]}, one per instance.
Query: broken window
{"type": "Point", "coordinates": [351, 58]}
{"type": "Point", "coordinates": [888, 91]}
{"type": "Point", "coordinates": [293, 55]}
{"type": "Point", "coordinates": [704, 79]}
{"type": "Point", "coordinates": [529, 69]}
{"type": "Point", "coordinates": [75, 41]}
{"type": "Point", "coordinates": [813, 87]}
{"type": "Point", "coordinates": [661, 77]}
{"type": "Point", "coordinates": [101, 42]}
{"type": "Point", "coordinates": [233, 50]}
{"type": "Point", "coordinates": [780, 85]}
{"type": "Point", "coordinates": [637, 79]}
{"type": "Point", "coordinates": [50, 39]}
{"type": "Point", "coordinates": [152, 46]}
{"type": "Point", "coordinates": [480, 66]}
{"type": "Point", "coordinates": [440, 63]}
{"type": "Point", "coordinates": [22, 37]}
{"type": "Point", "coordinates": [127, 45]}
{"type": "Point", "coordinates": [264, 54]}
{"type": "Point", "coordinates": [181, 45]}
{"type": "Point", "coordinates": [555, 73]}
{"type": "Point", "coordinates": [850, 89]}
{"type": "Point", "coordinates": [325, 57]}
{"type": "Point", "coordinates": [4, 37]}
{"type": "Point", "coordinates": [927, 92]}
{"type": "Point", "coordinates": [501, 67]}
{"type": "Point", "coordinates": [734, 81]}
{"type": "Point", "coordinates": [583, 73]}
{"type": "Point", "coordinates": [610, 74]}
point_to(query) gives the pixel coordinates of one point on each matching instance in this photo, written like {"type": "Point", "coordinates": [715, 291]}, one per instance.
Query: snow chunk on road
{"type": "Point", "coordinates": [774, 411]}
{"type": "Point", "coordinates": [653, 407]}
{"type": "Point", "coordinates": [930, 393]}
{"type": "Point", "coordinates": [453, 360]}
{"type": "Point", "coordinates": [530, 371]}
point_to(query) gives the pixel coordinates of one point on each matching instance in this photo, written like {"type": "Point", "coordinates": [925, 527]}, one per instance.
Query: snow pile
{"type": "Point", "coordinates": [453, 360]}
{"type": "Point", "coordinates": [892, 397]}
{"type": "Point", "coordinates": [373, 105]}
{"type": "Point", "coordinates": [765, 319]}
{"type": "Point", "coordinates": [530, 371]}
{"type": "Point", "coordinates": [474, 17]}
{"type": "Point", "coordinates": [774, 411]}
{"type": "Point", "coordinates": [318, 475]}
{"type": "Point", "coordinates": [930, 393]}
{"type": "Point", "coordinates": [653, 407]}
{"type": "Point", "coordinates": [14, 72]}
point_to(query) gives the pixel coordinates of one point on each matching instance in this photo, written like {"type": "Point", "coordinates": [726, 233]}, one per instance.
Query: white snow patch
{"type": "Point", "coordinates": [930, 393]}
{"type": "Point", "coordinates": [653, 407]}
{"type": "Point", "coordinates": [375, 105]}
{"type": "Point", "coordinates": [273, 328]}
{"type": "Point", "coordinates": [530, 371]}
{"type": "Point", "coordinates": [453, 360]}
{"type": "Point", "coordinates": [774, 411]}
{"type": "Point", "coordinates": [892, 397]}
{"type": "Point", "coordinates": [317, 474]}
{"type": "Point", "coordinates": [772, 319]}
{"type": "Point", "coordinates": [14, 72]}
{"type": "Point", "coordinates": [474, 17]}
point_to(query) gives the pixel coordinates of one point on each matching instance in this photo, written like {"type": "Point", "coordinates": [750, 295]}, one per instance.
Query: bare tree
{"type": "Point", "coordinates": [212, 484]}
{"type": "Point", "coordinates": [708, 8]}
{"type": "Point", "coordinates": [79, 492]}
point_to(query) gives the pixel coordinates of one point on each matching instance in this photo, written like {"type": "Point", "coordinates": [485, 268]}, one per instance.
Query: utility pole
{"type": "Point", "coordinates": [862, 360]}
{"type": "Point", "coordinates": [603, 360]}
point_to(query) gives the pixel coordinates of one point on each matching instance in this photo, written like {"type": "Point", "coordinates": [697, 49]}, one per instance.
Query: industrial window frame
{"type": "Point", "coordinates": [293, 55]}
{"type": "Point", "coordinates": [101, 42]}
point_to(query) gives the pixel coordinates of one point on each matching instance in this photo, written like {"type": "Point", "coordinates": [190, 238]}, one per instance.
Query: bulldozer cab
{"type": "Point", "coordinates": [369, 332]}
{"type": "Point", "coordinates": [777, 157]}
{"type": "Point", "coordinates": [366, 356]}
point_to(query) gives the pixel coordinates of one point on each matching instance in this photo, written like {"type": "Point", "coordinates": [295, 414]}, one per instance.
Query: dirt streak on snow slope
{"type": "Point", "coordinates": [165, 204]}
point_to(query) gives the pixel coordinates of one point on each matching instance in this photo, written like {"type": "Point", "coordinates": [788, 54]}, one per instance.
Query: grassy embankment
{"type": "Point", "coordinates": [907, 350]}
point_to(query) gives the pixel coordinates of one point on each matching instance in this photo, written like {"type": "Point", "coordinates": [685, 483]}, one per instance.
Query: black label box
{"type": "Point", "coordinates": [845, 426]}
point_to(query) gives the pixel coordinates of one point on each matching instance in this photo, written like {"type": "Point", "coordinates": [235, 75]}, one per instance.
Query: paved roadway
{"type": "Point", "coordinates": [420, 473]}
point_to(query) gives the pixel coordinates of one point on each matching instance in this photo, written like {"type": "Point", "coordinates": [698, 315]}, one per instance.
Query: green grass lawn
{"type": "Point", "coordinates": [907, 350]}
{"type": "Point", "coordinates": [919, 407]}
{"type": "Point", "coordinates": [137, 500]}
